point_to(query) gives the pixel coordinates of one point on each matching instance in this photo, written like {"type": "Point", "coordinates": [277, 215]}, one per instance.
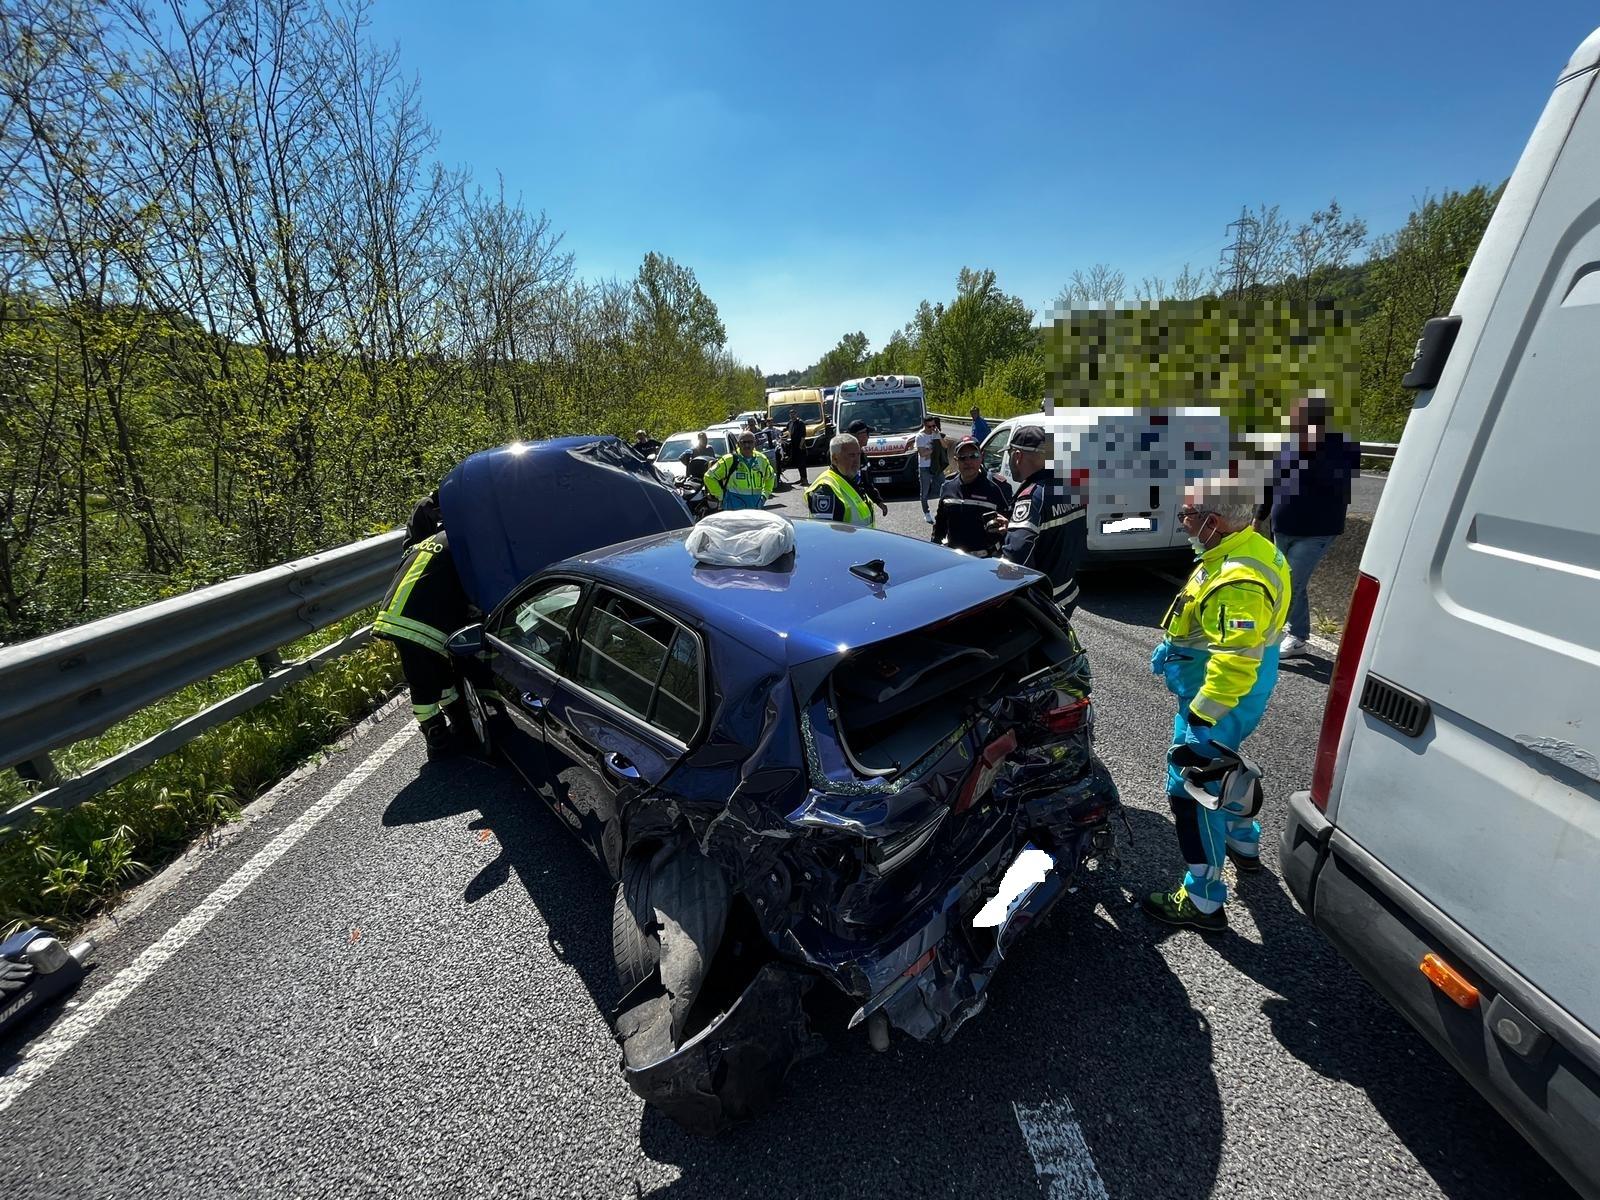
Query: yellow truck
{"type": "Point", "coordinates": [783, 403]}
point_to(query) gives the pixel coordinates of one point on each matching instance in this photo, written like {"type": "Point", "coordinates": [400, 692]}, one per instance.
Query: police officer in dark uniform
{"type": "Point", "coordinates": [969, 502]}
{"type": "Point", "coordinates": [861, 431]}
{"type": "Point", "coordinates": [425, 604]}
{"type": "Point", "coordinates": [1048, 528]}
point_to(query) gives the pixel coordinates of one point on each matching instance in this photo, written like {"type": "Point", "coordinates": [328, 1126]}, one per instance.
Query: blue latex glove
{"type": "Point", "coordinates": [1197, 737]}
{"type": "Point", "coordinates": [1158, 659]}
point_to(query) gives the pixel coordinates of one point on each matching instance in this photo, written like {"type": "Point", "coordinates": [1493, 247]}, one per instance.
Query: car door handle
{"type": "Point", "coordinates": [620, 766]}
{"type": "Point", "coordinates": [533, 703]}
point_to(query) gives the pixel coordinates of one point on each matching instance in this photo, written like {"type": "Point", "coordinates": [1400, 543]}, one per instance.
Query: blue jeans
{"type": "Point", "coordinates": [1303, 553]}
{"type": "Point", "coordinates": [927, 484]}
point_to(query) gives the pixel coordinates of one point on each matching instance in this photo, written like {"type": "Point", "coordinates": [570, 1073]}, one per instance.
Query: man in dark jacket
{"type": "Point", "coordinates": [861, 431]}
{"type": "Point", "coordinates": [1048, 529]}
{"type": "Point", "coordinates": [643, 444]}
{"type": "Point", "coordinates": [424, 606]}
{"type": "Point", "coordinates": [797, 445]}
{"type": "Point", "coordinates": [1307, 496]}
{"type": "Point", "coordinates": [969, 504]}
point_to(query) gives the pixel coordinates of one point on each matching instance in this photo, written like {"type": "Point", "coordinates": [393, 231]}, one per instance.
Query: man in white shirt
{"type": "Point", "coordinates": [926, 482]}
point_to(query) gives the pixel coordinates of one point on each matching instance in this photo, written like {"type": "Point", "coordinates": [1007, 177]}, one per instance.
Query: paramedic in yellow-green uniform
{"type": "Point", "coordinates": [1220, 659]}
{"type": "Point", "coordinates": [744, 479]}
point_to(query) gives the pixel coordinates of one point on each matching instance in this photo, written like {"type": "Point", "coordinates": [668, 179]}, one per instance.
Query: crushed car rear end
{"type": "Point", "coordinates": [887, 816]}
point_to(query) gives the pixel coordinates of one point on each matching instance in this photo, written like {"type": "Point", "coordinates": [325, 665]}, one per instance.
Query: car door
{"type": "Point", "coordinates": [530, 641]}
{"type": "Point", "coordinates": [629, 707]}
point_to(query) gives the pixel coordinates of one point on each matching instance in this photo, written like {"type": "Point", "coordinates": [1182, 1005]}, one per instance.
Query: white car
{"type": "Point", "coordinates": [675, 446]}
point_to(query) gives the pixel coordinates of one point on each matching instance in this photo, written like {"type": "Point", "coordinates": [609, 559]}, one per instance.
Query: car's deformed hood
{"type": "Point", "coordinates": [514, 510]}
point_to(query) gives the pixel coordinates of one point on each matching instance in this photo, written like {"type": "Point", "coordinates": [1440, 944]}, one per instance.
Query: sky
{"type": "Point", "coordinates": [823, 167]}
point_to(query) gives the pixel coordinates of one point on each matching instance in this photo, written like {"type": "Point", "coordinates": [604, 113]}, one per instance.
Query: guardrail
{"type": "Point", "coordinates": [75, 684]}
{"type": "Point", "coordinates": [1368, 449]}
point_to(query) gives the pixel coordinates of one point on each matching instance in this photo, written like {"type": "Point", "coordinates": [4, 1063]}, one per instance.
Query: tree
{"type": "Point", "coordinates": [846, 360]}
{"type": "Point", "coordinates": [1321, 245]}
{"type": "Point", "coordinates": [1099, 285]}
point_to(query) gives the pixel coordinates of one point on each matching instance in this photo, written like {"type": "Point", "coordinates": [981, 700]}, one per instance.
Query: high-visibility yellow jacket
{"type": "Point", "coordinates": [739, 482]}
{"type": "Point", "coordinates": [425, 603]}
{"type": "Point", "coordinates": [1224, 623]}
{"type": "Point", "coordinates": [834, 497]}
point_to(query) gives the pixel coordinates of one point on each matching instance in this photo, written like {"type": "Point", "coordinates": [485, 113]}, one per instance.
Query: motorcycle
{"type": "Point", "coordinates": [692, 487]}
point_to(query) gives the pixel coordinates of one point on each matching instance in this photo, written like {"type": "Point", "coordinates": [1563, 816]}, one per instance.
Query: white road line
{"type": "Point", "coordinates": [77, 1025]}
{"type": "Point", "coordinates": [1061, 1157]}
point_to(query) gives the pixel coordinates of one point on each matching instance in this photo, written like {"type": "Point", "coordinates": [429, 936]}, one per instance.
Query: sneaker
{"type": "Point", "coordinates": [1293, 647]}
{"type": "Point", "coordinates": [1249, 864]}
{"type": "Point", "coordinates": [927, 516]}
{"type": "Point", "coordinates": [1175, 908]}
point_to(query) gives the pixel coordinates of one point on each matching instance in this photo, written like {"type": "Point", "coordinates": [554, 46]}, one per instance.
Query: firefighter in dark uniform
{"type": "Point", "coordinates": [1048, 528]}
{"type": "Point", "coordinates": [424, 605]}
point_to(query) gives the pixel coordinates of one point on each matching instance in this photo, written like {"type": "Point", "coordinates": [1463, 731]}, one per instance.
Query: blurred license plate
{"type": "Point", "coordinates": [1129, 525]}
{"type": "Point", "coordinates": [883, 479]}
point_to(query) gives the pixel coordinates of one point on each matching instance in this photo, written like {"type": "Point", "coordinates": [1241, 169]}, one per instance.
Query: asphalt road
{"type": "Point", "coordinates": [411, 998]}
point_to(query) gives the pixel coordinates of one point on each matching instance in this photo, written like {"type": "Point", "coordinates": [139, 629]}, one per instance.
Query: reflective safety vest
{"type": "Point", "coordinates": [856, 510]}
{"type": "Point", "coordinates": [425, 603]}
{"type": "Point", "coordinates": [739, 482]}
{"type": "Point", "coordinates": [1224, 622]}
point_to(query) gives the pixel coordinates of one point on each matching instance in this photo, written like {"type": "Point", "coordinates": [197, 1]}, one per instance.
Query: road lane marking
{"type": "Point", "coordinates": [1060, 1155]}
{"type": "Point", "coordinates": [77, 1025]}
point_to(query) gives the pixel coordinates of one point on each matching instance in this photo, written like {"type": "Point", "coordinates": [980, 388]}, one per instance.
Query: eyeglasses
{"type": "Point", "coordinates": [966, 458]}
{"type": "Point", "coordinates": [1189, 514]}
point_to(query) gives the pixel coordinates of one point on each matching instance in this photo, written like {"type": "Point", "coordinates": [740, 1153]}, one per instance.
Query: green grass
{"type": "Point", "coordinates": [66, 866]}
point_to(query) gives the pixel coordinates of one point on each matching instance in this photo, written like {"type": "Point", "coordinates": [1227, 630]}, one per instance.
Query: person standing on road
{"type": "Point", "coordinates": [833, 496]}
{"type": "Point", "coordinates": [797, 444]}
{"type": "Point", "coordinates": [1220, 659]}
{"type": "Point", "coordinates": [861, 431]}
{"type": "Point", "coordinates": [969, 502]}
{"type": "Point", "coordinates": [980, 427]}
{"type": "Point", "coordinates": [425, 604]}
{"type": "Point", "coordinates": [1048, 527]}
{"type": "Point", "coordinates": [744, 479]}
{"type": "Point", "coordinates": [1306, 500]}
{"type": "Point", "coordinates": [643, 444]}
{"type": "Point", "coordinates": [926, 483]}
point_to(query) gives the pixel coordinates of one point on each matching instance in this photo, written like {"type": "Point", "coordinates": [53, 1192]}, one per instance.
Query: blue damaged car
{"type": "Point", "coordinates": [869, 763]}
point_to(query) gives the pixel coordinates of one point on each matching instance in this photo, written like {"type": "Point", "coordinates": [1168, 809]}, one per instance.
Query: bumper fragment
{"type": "Point", "coordinates": [734, 1067]}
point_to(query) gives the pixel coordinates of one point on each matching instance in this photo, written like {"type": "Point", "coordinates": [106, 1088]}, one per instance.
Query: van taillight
{"type": "Point", "coordinates": [1359, 620]}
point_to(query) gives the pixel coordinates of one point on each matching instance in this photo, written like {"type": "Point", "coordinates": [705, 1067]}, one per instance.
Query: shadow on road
{"type": "Point", "coordinates": [1327, 1017]}
{"type": "Point", "coordinates": [1086, 1012]}
{"type": "Point", "coordinates": [569, 888]}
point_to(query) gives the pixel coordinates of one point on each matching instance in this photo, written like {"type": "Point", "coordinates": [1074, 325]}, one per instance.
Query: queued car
{"type": "Point", "coordinates": [867, 764]}
{"type": "Point", "coordinates": [667, 459]}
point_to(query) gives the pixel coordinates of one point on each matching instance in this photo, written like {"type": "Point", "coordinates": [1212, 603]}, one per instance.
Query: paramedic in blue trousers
{"type": "Point", "coordinates": [1220, 659]}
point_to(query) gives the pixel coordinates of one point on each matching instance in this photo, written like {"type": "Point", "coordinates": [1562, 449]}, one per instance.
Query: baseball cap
{"type": "Point", "coordinates": [858, 426]}
{"type": "Point", "coordinates": [1030, 437]}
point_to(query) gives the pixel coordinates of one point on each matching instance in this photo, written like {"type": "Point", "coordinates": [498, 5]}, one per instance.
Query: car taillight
{"type": "Point", "coordinates": [1067, 719]}
{"type": "Point", "coordinates": [1359, 620]}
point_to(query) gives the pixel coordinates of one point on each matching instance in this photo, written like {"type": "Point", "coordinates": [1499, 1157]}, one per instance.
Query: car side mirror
{"type": "Point", "coordinates": [466, 642]}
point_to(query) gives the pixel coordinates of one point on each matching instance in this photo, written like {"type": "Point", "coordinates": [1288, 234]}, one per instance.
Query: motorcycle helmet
{"type": "Point", "coordinates": [1239, 792]}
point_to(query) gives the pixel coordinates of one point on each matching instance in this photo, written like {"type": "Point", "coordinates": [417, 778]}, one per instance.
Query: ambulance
{"type": "Point", "coordinates": [893, 406]}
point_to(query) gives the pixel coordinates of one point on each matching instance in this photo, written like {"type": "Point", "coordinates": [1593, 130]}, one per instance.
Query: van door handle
{"type": "Point", "coordinates": [620, 767]}
{"type": "Point", "coordinates": [533, 703]}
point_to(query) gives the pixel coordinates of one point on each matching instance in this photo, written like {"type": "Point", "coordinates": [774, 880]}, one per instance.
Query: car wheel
{"type": "Point", "coordinates": [634, 947]}
{"type": "Point", "coordinates": [478, 719]}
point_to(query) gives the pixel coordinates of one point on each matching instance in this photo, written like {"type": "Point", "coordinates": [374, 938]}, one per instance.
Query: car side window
{"type": "Point", "coordinates": [994, 450]}
{"type": "Point", "coordinates": [538, 623]}
{"type": "Point", "coordinates": [643, 662]}
{"type": "Point", "coordinates": [677, 703]}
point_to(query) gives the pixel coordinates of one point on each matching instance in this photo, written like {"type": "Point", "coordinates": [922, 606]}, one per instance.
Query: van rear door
{"type": "Point", "coordinates": [1490, 599]}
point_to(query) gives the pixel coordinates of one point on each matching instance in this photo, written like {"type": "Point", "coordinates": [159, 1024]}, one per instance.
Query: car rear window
{"type": "Point", "coordinates": [644, 663]}
{"type": "Point", "coordinates": [895, 700]}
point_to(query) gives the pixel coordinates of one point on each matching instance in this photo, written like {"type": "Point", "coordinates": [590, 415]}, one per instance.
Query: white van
{"type": "Point", "coordinates": [1449, 845]}
{"type": "Point", "coordinates": [1132, 464]}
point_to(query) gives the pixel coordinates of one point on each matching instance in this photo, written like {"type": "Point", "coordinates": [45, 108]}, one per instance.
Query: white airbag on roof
{"type": "Point", "coordinates": [742, 538]}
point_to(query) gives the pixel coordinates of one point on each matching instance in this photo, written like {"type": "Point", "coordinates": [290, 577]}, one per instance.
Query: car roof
{"type": "Point", "coordinates": [1063, 417]}
{"type": "Point", "coordinates": [813, 608]}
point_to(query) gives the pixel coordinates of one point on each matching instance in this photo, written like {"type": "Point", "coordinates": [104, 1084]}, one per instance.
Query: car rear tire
{"type": "Point", "coordinates": [634, 947]}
